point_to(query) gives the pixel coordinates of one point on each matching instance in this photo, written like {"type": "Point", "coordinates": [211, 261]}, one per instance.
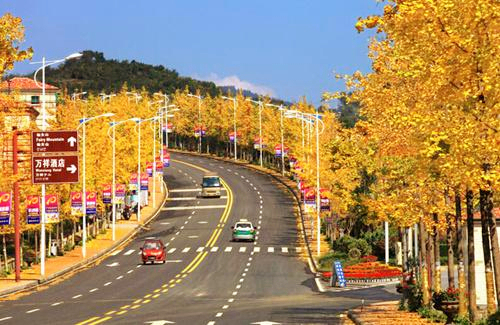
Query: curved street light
{"type": "Point", "coordinates": [83, 122]}
{"type": "Point", "coordinates": [45, 63]}
{"type": "Point", "coordinates": [113, 186]}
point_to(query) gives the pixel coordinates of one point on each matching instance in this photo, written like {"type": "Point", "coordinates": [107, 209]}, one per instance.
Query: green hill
{"type": "Point", "coordinates": [94, 73]}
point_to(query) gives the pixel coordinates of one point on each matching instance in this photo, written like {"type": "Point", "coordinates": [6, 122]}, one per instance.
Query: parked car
{"type": "Point", "coordinates": [153, 250]}
{"type": "Point", "coordinates": [243, 230]}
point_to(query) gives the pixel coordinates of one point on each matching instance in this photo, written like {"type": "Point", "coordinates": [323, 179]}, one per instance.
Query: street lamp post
{"type": "Point", "coordinates": [83, 122]}
{"type": "Point", "coordinates": [234, 126]}
{"type": "Point", "coordinates": [138, 127]}
{"type": "Point", "coordinates": [113, 186]}
{"type": "Point", "coordinates": [281, 110]}
{"type": "Point", "coordinates": [261, 107]}
{"type": "Point", "coordinates": [199, 117]}
{"type": "Point", "coordinates": [310, 117]}
{"type": "Point", "coordinates": [45, 63]}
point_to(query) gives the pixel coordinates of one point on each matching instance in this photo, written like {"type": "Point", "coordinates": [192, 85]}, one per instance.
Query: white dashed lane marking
{"type": "Point", "coordinates": [32, 311]}
{"type": "Point", "coordinates": [129, 252]}
{"type": "Point", "coordinates": [228, 249]}
{"type": "Point", "coordinates": [185, 250]}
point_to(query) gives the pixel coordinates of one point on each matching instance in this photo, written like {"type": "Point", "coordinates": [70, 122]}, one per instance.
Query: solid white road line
{"type": "Point", "coordinates": [243, 249]}
{"type": "Point", "coordinates": [198, 207]}
{"type": "Point", "coordinates": [202, 222]}
{"type": "Point", "coordinates": [185, 250]}
{"type": "Point", "coordinates": [129, 252]}
{"type": "Point", "coordinates": [228, 249]}
{"type": "Point", "coordinates": [194, 236]}
{"type": "Point", "coordinates": [270, 249]}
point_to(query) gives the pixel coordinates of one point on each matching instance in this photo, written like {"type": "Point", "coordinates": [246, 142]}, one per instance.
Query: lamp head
{"type": "Point", "coordinates": [73, 56]}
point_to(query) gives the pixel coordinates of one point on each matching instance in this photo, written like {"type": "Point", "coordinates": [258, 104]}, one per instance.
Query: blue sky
{"type": "Point", "coordinates": [288, 48]}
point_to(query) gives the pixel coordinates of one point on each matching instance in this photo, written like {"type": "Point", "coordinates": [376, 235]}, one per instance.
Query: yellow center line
{"type": "Point", "coordinates": [188, 269]}
{"type": "Point", "coordinates": [197, 263]}
{"type": "Point", "coordinates": [102, 320]}
{"type": "Point", "coordinates": [88, 320]}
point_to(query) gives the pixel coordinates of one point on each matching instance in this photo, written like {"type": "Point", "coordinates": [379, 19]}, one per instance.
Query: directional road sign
{"type": "Point", "coordinates": [54, 142]}
{"type": "Point", "coordinates": [54, 169]}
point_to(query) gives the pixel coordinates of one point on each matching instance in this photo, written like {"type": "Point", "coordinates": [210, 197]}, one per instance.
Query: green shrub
{"type": "Point", "coordinates": [354, 253]}
{"type": "Point", "coordinates": [432, 314]}
{"type": "Point", "coordinates": [346, 243]}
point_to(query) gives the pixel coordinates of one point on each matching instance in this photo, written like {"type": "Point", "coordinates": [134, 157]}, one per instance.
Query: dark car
{"type": "Point", "coordinates": [153, 251]}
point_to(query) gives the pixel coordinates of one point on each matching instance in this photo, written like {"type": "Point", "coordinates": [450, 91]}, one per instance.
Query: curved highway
{"type": "Point", "coordinates": [208, 279]}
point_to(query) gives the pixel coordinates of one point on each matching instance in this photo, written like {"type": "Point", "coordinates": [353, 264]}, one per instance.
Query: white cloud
{"type": "Point", "coordinates": [238, 84]}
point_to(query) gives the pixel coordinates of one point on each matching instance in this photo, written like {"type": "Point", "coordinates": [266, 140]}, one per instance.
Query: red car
{"type": "Point", "coordinates": [153, 251]}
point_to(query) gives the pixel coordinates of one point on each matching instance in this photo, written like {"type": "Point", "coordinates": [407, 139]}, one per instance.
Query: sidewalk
{"type": "Point", "coordinates": [385, 313]}
{"type": "Point", "coordinates": [60, 266]}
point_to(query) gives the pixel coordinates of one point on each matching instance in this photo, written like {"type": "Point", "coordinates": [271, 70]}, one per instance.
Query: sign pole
{"type": "Point", "coordinates": [113, 186]}
{"type": "Point", "coordinates": [139, 174]}
{"type": "Point", "coordinates": [154, 164]}
{"type": "Point", "coordinates": [42, 221]}
{"type": "Point", "coordinates": [17, 230]}
{"type": "Point", "coordinates": [84, 199]}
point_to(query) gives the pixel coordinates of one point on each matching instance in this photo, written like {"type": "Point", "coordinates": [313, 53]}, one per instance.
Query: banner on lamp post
{"type": "Point", "coordinates": [106, 193]}
{"type": "Point", "coordinates": [133, 182]}
{"type": "Point", "coordinates": [51, 208]}
{"type": "Point", "coordinates": [169, 128]}
{"type": "Point", "coordinates": [166, 158]}
{"type": "Point", "coordinates": [33, 209]}
{"type": "Point", "coordinates": [76, 204]}
{"type": "Point", "coordinates": [149, 168]}
{"type": "Point", "coordinates": [158, 167]}
{"type": "Point", "coordinates": [120, 193]}
{"type": "Point", "coordinates": [5, 208]}
{"type": "Point", "coordinates": [144, 182]}
{"type": "Point", "coordinates": [278, 152]}
{"type": "Point", "coordinates": [91, 202]}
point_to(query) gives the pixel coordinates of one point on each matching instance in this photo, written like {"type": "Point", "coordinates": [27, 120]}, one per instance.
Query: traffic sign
{"type": "Point", "coordinates": [54, 141]}
{"type": "Point", "coordinates": [54, 169]}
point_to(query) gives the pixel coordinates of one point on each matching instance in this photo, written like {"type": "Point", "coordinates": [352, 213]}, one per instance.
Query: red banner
{"type": "Point", "coordinates": [5, 208]}
{"type": "Point", "coordinates": [51, 208]}
{"type": "Point", "coordinates": [32, 209]}
{"type": "Point", "coordinates": [91, 203]}
{"type": "Point", "coordinates": [106, 193]}
{"type": "Point", "coordinates": [76, 204]}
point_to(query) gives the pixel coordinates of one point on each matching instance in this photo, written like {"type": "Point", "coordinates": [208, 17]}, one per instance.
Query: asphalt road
{"type": "Point", "coordinates": [207, 278]}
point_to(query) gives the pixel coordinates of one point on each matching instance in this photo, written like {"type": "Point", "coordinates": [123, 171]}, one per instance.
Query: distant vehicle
{"type": "Point", "coordinates": [243, 230]}
{"type": "Point", "coordinates": [153, 251]}
{"type": "Point", "coordinates": [210, 185]}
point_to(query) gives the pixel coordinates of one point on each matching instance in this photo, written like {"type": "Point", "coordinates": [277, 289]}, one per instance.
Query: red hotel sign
{"type": "Point", "coordinates": [54, 169]}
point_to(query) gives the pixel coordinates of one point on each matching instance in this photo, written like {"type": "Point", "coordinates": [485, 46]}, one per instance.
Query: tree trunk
{"type": "Point", "coordinates": [405, 249]}
{"type": "Point", "coordinates": [4, 246]}
{"type": "Point", "coordinates": [462, 303]}
{"type": "Point", "coordinates": [488, 264]}
{"type": "Point", "coordinates": [493, 239]}
{"type": "Point", "coordinates": [437, 256]}
{"type": "Point", "coordinates": [451, 255]}
{"type": "Point", "coordinates": [424, 266]}
{"type": "Point", "coordinates": [471, 259]}
{"type": "Point", "coordinates": [431, 262]}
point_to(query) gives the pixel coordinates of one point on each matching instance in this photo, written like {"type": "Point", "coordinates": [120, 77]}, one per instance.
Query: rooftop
{"type": "Point", "coordinates": [20, 83]}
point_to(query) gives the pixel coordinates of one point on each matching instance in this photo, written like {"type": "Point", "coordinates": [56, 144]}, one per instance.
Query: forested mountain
{"type": "Point", "coordinates": [95, 74]}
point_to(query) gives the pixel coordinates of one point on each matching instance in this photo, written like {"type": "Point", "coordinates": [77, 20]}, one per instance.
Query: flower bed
{"type": "Point", "coordinates": [367, 271]}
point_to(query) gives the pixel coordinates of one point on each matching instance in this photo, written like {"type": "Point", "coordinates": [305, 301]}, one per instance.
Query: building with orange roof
{"type": "Point", "coordinates": [27, 91]}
